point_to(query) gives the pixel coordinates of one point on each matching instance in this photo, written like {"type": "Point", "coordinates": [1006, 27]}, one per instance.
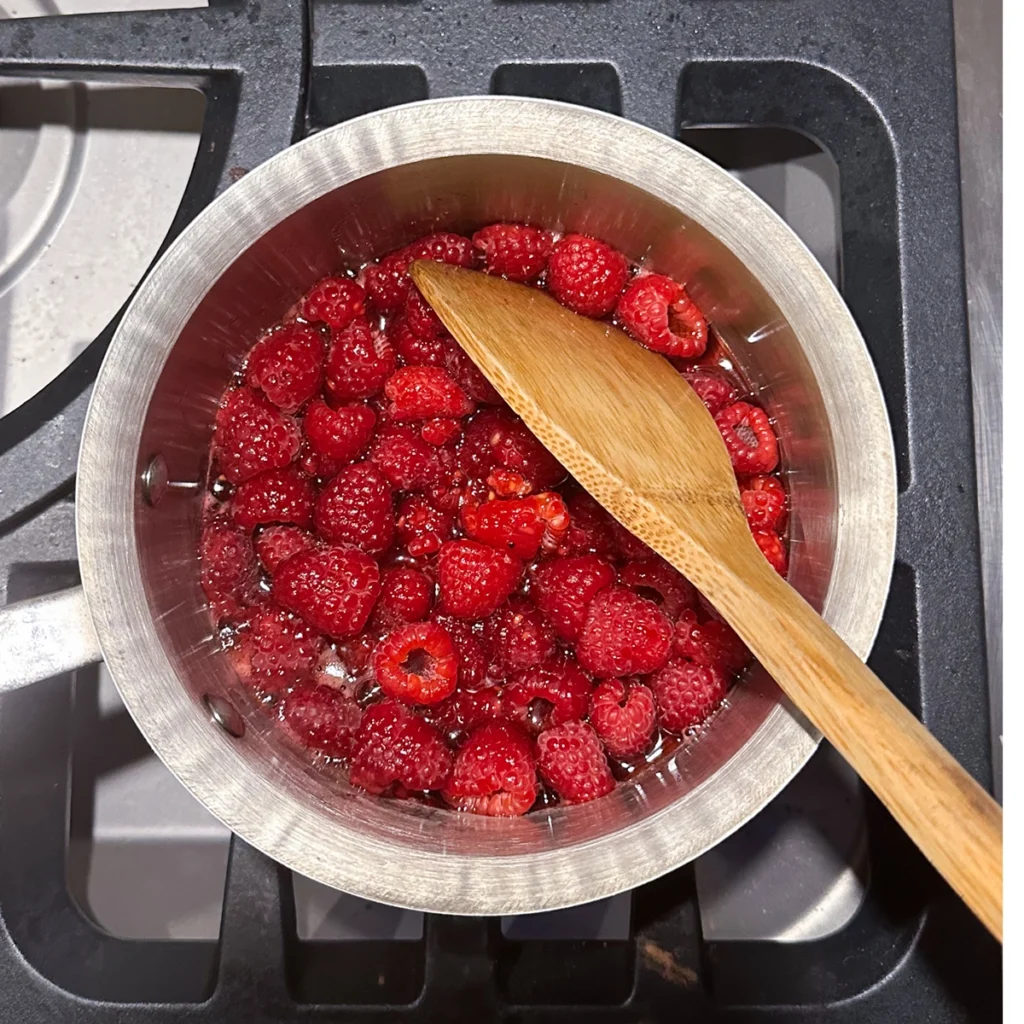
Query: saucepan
{"type": "Point", "coordinates": [332, 201]}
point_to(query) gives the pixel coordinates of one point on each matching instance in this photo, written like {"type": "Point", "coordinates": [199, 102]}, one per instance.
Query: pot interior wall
{"type": "Point", "coordinates": [342, 230]}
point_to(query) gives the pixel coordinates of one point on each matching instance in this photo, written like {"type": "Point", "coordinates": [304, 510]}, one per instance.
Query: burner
{"type": "Point", "coordinates": [138, 905]}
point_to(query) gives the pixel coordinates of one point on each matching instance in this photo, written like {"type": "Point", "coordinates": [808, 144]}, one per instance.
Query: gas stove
{"type": "Point", "coordinates": [121, 899]}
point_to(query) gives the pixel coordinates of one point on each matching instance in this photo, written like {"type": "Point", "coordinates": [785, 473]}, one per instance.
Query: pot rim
{"type": "Point", "coordinates": [208, 762]}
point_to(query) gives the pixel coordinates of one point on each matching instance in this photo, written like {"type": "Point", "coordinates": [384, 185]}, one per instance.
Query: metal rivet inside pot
{"type": "Point", "coordinates": [224, 715]}
{"type": "Point", "coordinates": [154, 480]}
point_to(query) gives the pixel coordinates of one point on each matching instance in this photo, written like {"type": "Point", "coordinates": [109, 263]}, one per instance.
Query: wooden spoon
{"type": "Point", "coordinates": [615, 415]}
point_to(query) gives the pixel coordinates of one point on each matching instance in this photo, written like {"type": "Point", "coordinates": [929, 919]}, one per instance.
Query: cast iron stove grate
{"type": "Point", "coordinates": [873, 82]}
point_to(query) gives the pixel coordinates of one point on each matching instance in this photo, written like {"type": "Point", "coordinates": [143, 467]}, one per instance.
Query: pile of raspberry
{"type": "Point", "coordinates": [414, 587]}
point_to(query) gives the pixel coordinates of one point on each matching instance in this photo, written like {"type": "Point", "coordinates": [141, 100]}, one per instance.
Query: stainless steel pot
{"type": "Point", "coordinates": [336, 199]}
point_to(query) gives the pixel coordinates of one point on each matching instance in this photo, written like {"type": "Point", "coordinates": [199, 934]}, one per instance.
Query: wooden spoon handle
{"type": "Point", "coordinates": [954, 822]}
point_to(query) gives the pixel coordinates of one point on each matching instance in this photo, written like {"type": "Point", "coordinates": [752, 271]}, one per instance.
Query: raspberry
{"type": "Point", "coordinates": [276, 496]}
{"type": "Point", "coordinates": [686, 693]}
{"type": "Point", "coordinates": [340, 434]}
{"type": "Point", "coordinates": [388, 280]}
{"type": "Point", "coordinates": [517, 636]}
{"type": "Point", "coordinates": [440, 431]}
{"type": "Point", "coordinates": [276, 544]}
{"type": "Point", "coordinates": [321, 718]}
{"type": "Point", "coordinates": [547, 694]}
{"type": "Point", "coordinates": [493, 773]}
{"type": "Point", "coordinates": [355, 508]}
{"type": "Point", "coordinates": [714, 390]}
{"type": "Point", "coordinates": [656, 580]}
{"type": "Point", "coordinates": [417, 663]}
{"type": "Point", "coordinates": [227, 569]}
{"type": "Point", "coordinates": [406, 595]}
{"type": "Point", "coordinates": [287, 365]}
{"type": "Point", "coordinates": [563, 587]}
{"type": "Point", "coordinates": [623, 635]}
{"type": "Point", "coordinates": [572, 762]}
{"type": "Point", "coordinates": [469, 376]}
{"type": "Point", "coordinates": [623, 718]}
{"type": "Point", "coordinates": [516, 251]}
{"type": "Point", "coordinates": [658, 313]}
{"type": "Point", "coordinates": [774, 549]}
{"type": "Point", "coordinates": [335, 301]}
{"type": "Point", "coordinates": [749, 437]}
{"type": "Point", "coordinates": [280, 649]}
{"type": "Point", "coordinates": [472, 661]}
{"type": "Point", "coordinates": [518, 525]}
{"type": "Point", "coordinates": [627, 543]}
{"type": "Point", "coordinates": [425, 392]}
{"type": "Point", "coordinates": [474, 579]}
{"type": "Point", "coordinates": [420, 316]}
{"type": "Point", "coordinates": [764, 501]}
{"type": "Point", "coordinates": [409, 462]}
{"type": "Point", "coordinates": [315, 466]}
{"type": "Point", "coordinates": [711, 643]}
{"type": "Point", "coordinates": [590, 527]}
{"type": "Point", "coordinates": [414, 350]}
{"type": "Point", "coordinates": [333, 589]}
{"type": "Point", "coordinates": [253, 435]}
{"type": "Point", "coordinates": [421, 527]}
{"type": "Point", "coordinates": [394, 745]}
{"type": "Point", "coordinates": [464, 710]}
{"type": "Point", "coordinates": [496, 437]}
{"type": "Point", "coordinates": [586, 275]}
{"type": "Point", "coordinates": [358, 362]}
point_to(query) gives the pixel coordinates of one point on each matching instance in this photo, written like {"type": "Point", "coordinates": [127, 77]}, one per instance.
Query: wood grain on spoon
{"type": "Point", "coordinates": [636, 436]}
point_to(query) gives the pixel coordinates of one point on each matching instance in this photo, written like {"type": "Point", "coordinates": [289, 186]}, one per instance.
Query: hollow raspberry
{"type": "Point", "coordinates": [517, 636]}
{"type": "Point", "coordinates": [623, 717]}
{"type": "Point", "coordinates": [773, 547]}
{"type": "Point", "coordinates": [474, 579]}
{"type": "Point", "coordinates": [423, 393]}
{"type": "Point", "coordinates": [658, 313]}
{"type": "Point", "coordinates": [749, 437]}
{"type": "Point", "coordinates": [519, 526]}
{"type": "Point", "coordinates": [764, 501]}
{"type": "Point", "coordinates": [714, 390]}
{"type": "Point", "coordinates": [711, 643]}
{"type": "Point", "coordinates": [440, 431]}
{"type": "Point", "coordinates": [493, 773]}
{"type": "Point", "coordinates": [321, 718]}
{"type": "Point", "coordinates": [335, 301]}
{"type": "Point", "coordinates": [686, 693]}
{"type": "Point", "coordinates": [395, 746]}
{"type": "Point", "coordinates": [355, 508]}
{"type": "Point", "coordinates": [287, 364]}
{"type": "Point", "coordinates": [623, 635]}
{"type": "Point", "coordinates": [333, 589]}
{"type": "Point", "coordinates": [276, 544]}
{"type": "Point", "coordinates": [564, 587]}
{"type": "Point", "coordinates": [656, 580]}
{"type": "Point", "coordinates": [417, 663]}
{"type": "Point", "coordinates": [409, 462]}
{"type": "Point", "coordinates": [340, 434]}
{"type": "Point", "coordinates": [472, 660]}
{"type": "Point", "coordinates": [276, 496]}
{"type": "Point", "coordinates": [280, 649]}
{"type": "Point", "coordinates": [586, 275]}
{"type": "Point", "coordinates": [253, 435]}
{"type": "Point", "coordinates": [406, 595]}
{"type": "Point", "coordinates": [547, 694]}
{"type": "Point", "coordinates": [572, 762]}
{"type": "Point", "coordinates": [516, 251]}
{"type": "Point", "coordinates": [464, 710]}
{"type": "Point", "coordinates": [358, 362]}
{"type": "Point", "coordinates": [227, 569]}
{"type": "Point", "coordinates": [496, 437]}
{"type": "Point", "coordinates": [421, 527]}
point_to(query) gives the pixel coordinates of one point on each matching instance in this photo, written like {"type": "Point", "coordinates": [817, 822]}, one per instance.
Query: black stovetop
{"type": "Point", "coordinates": [873, 82]}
